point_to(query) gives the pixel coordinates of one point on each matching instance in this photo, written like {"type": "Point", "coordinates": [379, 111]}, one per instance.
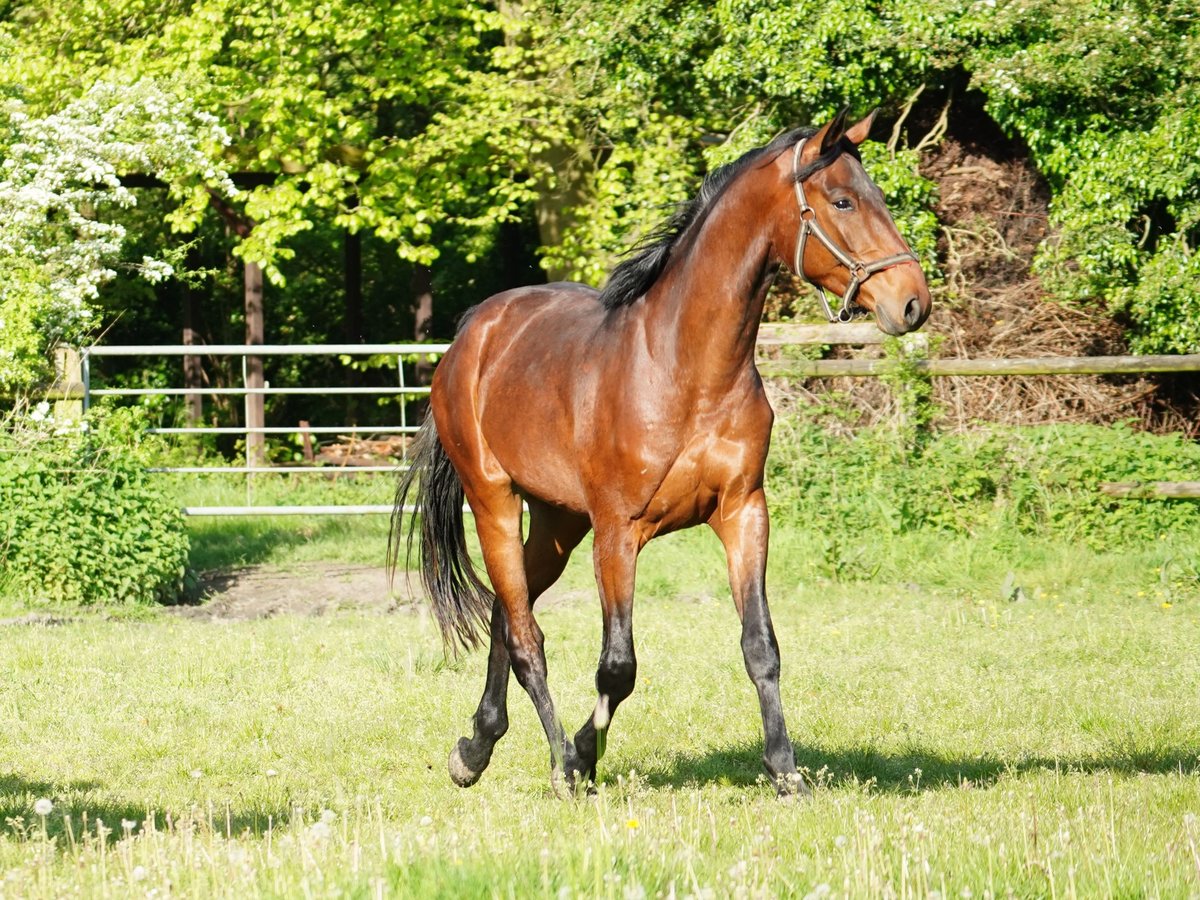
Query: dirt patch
{"type": "Point", "coordinates": [318, 589]}
{"type": "Point", "coordinates": [312, 589]}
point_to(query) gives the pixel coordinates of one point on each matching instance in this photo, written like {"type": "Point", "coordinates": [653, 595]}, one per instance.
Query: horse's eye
{"type": "Point", "coordinates": [845, 204]}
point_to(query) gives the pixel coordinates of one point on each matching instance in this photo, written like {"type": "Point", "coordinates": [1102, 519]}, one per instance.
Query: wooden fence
{"type": "Point", "coordinates": [867, 333]}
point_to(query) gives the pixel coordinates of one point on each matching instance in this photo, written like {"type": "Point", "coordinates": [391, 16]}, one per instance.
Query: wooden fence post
{"type": "Point", "coordinates": [68, 384]}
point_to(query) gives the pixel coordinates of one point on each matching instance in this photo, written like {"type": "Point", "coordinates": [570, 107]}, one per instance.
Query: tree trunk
{"type": "Point", "coordinates": [255, 441]}
{"type": "Point", "coordinates": [421, 286]}
{"type": "Point", "coordinates": [565, 191]}
{"type": "Point", "coordinates": [352, 255]}
{"type": "Point", "coordinates": [193, 366]}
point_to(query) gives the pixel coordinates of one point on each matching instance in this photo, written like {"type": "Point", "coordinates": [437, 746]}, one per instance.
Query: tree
{"type": "Point", "coordinates": [59, 186]}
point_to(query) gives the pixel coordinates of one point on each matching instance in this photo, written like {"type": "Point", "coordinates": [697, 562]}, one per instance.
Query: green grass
{"type": "Point", "coordinates": [960, 739]}
{"type": "Point", "coordinates": [219, 543]}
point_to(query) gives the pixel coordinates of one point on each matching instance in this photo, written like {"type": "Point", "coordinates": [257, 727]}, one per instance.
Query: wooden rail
{"type": "Point", "coordinates": [1046, 365]}
{"type": "Point", "coordinates": [1152, 490]}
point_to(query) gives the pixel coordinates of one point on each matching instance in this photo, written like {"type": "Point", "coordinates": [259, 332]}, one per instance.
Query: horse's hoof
{"type": "Point", "coordinates": [571, 786]}
{"type": "Point", "coordinates": [791, 787]}
{"type": "Point", "coordinates": [460, 773]}
{"type": "Point", "coordinates": [561, 786]}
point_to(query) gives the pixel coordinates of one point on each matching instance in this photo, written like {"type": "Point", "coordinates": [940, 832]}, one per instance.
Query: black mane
{"type": "Point", "coordinates": [647, 259]}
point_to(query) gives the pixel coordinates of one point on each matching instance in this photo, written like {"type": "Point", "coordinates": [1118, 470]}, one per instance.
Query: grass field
{"type": "Point", "coordinates": [1018, 719]}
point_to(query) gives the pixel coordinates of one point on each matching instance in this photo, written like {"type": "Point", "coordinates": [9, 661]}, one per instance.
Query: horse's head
{"type": "Point", "coordinates": [844, 238]}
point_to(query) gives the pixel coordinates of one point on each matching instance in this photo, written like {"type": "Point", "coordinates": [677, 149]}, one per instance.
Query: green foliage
{"type": "Point", "coordinates": [1017, 481]}
{"type": "Point", "coordinates": [464, 135]}
{"type": "Point", "coordinates": [912, 388]}
{"type": "Point", "coordinates": [81, 521]}
{"type": "Point", "coordinates": [1107, 95]}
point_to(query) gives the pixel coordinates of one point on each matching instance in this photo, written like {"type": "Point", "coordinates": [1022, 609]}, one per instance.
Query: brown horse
{"type": "Point", "coordinates": [633, 412]}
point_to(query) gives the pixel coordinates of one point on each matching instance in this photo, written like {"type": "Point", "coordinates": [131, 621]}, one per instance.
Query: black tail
{"type": "Point", "coordinates": [461, 602]}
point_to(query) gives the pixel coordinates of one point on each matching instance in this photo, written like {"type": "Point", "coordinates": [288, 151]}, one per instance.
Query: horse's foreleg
{"type": "Point", "coordinates": [743, 527]}
{"type": "Point", "coordinates": [553, 534]}
{"type": "Point", "coordinates": [615, 558]}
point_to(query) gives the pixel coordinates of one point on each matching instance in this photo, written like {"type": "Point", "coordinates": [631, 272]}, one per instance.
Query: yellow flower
{"type": "Point", "coordinates": [632, 824]}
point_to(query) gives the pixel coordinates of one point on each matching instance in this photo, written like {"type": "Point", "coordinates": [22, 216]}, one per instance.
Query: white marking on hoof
{"type": "Point", "coordinates": [601, 717]}
{"type": "Point", "coordinates": [460, 773]}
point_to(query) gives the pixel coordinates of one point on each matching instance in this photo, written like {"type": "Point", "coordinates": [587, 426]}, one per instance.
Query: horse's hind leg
{"type": "Point", "coordinates": [471, 755]}
{"type": "Point", "coordinates": [553, 534]}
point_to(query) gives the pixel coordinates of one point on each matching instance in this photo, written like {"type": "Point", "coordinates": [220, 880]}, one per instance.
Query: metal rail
{"type": "Point", "coordinates": [82, 381]}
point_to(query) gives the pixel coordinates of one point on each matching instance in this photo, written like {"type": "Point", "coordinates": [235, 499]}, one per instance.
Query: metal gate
{"type": "Point", "coordinates": [252, 394]}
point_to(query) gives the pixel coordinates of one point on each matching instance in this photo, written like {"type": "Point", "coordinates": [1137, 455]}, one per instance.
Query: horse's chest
{"type": "Point", "coordinates": [712, 463]}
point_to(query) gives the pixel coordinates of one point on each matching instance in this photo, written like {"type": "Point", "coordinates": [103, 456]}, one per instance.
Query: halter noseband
{"type": "Point", "coordinates": [859, 271]}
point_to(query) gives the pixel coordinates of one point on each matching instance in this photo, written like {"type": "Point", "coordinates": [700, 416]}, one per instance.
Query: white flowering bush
{"type": "Point", "coordinates": [60, 195]}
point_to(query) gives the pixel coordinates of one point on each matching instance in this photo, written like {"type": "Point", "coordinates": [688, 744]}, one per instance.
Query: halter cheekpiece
{"type": "Point", "coordinates": [859, 271]}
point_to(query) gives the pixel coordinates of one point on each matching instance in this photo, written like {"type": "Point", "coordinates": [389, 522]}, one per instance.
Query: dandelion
{"type": "Point", "coordinates": [271, 773]}
{"type": "Point", "coordinates": [43, 807]}
{"type": "Point", "coordinates": [633, 824]}
{"type": "Point", "coordinates": [319, 832]}
{"type": "Point", "coordinates": [139, 873]}
{"type": "Point", "coordinates": [426, 821]}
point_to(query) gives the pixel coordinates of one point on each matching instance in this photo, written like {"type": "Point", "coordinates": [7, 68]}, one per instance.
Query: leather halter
{"type": "Point", "coordinates": [859, 271]}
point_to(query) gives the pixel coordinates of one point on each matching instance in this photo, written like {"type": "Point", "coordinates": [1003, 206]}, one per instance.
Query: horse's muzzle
{"type": "Point", "coordinates": [897, 319]}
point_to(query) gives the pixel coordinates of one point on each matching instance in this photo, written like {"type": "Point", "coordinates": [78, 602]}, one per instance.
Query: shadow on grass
{"type": "Point", "coordinates": [910, 771]}
{"type": "Point", "coordinates": [77, 802]}
{"type": "Point", "coordinates": [234, 542]}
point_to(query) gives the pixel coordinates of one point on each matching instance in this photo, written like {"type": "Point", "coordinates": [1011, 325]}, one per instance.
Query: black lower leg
{"type": "Point", "coordinates": [529, 666]}
{"type": "Point", "coordinates": [615, 677]}
{"type": "Point", "coordinates": [761, 652]}
{"type": "Point", "coordinates": [471, 755]}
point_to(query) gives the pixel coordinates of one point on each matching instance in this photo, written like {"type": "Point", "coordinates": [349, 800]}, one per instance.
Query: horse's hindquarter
{"type": "Point", "coordinates": [519, 390]}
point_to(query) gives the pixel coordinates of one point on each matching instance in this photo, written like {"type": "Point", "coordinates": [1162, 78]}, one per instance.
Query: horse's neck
{"type": "Point", "coordinates": [705, 312]}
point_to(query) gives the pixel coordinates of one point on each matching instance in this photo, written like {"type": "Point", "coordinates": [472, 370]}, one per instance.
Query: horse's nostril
{"type": "Point", "coordinates": [912, 311]}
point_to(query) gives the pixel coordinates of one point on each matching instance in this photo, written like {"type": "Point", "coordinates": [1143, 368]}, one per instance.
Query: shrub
{"type": "Point", "coordinates": [1035, 481]}
{"type": "Point", "coordinates": [81, 522]}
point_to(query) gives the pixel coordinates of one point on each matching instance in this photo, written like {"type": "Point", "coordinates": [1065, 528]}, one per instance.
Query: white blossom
{"type": "Point", "coordinates": [60, 185]}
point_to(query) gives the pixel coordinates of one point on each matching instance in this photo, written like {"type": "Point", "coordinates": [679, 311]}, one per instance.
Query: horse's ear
{"type": "Point", "coordinates": [861, 131]}
{"type": "Point", "coordinates": [828, 136]}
